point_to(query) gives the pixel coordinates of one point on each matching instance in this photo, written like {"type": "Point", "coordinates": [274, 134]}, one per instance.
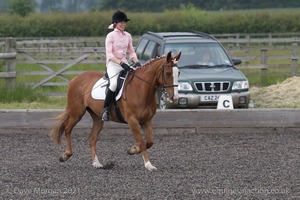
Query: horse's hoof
{"type": "Point", "coordinates": [61, 159]}
{"type": "Point", "coordinates": [150, 167]}
{"type": "Point", "coordinates": [148, 145]}
{"type": "Point", "coordinates": [131, 151]}
{"type": "Point", "coordinates": [64, 157]}
{"type": "Point", "coordinates": [97, 165]}
{"type": "Point", "coordinates": [134, 150]}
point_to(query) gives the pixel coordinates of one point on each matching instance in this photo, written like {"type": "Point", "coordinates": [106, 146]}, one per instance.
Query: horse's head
{"type": "Point", "coordinates": [169, 77]}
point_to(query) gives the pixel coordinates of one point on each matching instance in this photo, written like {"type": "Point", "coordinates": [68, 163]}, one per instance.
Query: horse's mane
{"type": "Point", "coordinates": [151, 61]}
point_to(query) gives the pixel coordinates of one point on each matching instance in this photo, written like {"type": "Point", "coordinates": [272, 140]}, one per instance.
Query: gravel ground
{"type": "Point", "coordinates": [253, 165]}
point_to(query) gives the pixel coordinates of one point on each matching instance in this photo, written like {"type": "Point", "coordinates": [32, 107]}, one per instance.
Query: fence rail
{"type": "Point", "coordinates": [256, 51]}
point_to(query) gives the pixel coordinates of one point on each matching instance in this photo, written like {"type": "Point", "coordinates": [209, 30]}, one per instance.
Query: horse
{"type": "Point", "coordinates": [137, 105]}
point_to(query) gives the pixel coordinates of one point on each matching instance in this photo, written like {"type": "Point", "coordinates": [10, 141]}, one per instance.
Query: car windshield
{"type": "Point", "coordinates": [199, 55]}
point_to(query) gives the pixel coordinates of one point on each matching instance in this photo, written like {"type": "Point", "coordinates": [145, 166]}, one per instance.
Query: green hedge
{"type": "Point", "coordinates": [96, 23]}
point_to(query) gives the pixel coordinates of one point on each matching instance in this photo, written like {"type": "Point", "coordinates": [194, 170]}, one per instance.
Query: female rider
{"type": "Point", "coordinates": [117, 43]}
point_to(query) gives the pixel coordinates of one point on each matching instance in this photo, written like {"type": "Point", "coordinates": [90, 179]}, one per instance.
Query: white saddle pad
{"type": "Point", "coordinates": [98, 91]}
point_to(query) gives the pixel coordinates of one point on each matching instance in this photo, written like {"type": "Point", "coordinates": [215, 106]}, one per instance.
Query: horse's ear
{"type": "Point", "coordinates": [169, 56]}
{"type": "Point", "coordinates": [177, 56]}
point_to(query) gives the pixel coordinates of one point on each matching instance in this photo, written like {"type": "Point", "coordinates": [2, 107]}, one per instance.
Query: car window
{"type": "Point", "coordinates": [140, 48]}
{"type": "Point", "coordinates": [197, 54]}
{"type": "Point", "coordinates": [158, 51]}
{"type": "Point", "coordinates": [150, 51]}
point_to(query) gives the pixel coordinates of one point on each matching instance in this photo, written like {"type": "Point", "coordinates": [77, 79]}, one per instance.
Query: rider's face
{"type": "Point", "coordinates": [121, 25]}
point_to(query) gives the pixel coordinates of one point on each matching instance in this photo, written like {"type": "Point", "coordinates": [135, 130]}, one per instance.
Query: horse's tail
{"type": "Point", "coordinates": [60, 124]}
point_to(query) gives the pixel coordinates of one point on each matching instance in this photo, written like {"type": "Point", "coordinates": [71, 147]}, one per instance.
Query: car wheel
{"type": "Point", "coordinates": [162, 105]}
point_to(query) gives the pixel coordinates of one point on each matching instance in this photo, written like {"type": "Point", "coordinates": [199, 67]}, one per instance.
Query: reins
{"type": "Point", "coordinates": [163, 86]}
{"type": "Point", "coordinates": [134, 75]}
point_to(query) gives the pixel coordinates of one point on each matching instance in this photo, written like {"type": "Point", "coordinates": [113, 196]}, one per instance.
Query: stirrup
{"type": "Point", "coordinates": [105, 116]}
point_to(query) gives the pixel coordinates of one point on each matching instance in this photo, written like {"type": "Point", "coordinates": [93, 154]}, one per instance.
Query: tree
{"type": "Point", "coordinates": [21, 7]}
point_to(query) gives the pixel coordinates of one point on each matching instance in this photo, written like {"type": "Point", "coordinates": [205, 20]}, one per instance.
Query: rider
{"type": "Point", "coordinates": [117, 43]}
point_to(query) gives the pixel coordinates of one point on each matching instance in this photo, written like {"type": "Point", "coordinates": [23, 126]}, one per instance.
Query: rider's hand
{"type": "Point", "coordinates": [125, 66]}
{"type": "Point", "coordinates": [137, 64]}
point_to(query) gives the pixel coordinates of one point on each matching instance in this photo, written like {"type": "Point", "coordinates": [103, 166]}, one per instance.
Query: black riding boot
{"type": "Point", "coordinates": [109, 96]}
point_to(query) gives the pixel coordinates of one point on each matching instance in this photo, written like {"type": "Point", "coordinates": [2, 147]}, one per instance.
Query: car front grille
{"type": "Point", "coordinates": [212, 86]}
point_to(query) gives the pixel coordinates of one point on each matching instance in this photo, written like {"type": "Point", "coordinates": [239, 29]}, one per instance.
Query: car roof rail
{"type": "Point", "coordinates": [154, 34]}
{"type": "Point", "coordinates": [198, 33]}
{"type": "Point", "coordinates": [204, 35]}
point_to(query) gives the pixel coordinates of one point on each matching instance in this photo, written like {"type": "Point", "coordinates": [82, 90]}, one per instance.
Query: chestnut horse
{"type": "Point", "coordinates": [137, 105]}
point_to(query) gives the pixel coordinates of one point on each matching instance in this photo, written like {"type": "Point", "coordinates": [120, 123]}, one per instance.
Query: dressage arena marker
{"type": "Point", "coordinates": [225, 102]}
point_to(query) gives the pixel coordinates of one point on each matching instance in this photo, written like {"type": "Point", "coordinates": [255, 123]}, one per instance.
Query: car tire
{"type": "Point", "coordinates": [162, 101]}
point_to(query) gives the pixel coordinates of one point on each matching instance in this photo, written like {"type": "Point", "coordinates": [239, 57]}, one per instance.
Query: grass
{"type": "Point", "coordinates": [23, 97]}
{"type": "Point", "coordinates": [273, 76]}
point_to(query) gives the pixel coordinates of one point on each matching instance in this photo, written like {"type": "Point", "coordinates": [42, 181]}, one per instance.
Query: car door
{"type": "Point", "coordinates": [141, 46]}
{"type": "Point", "coordinates": [147, 50]}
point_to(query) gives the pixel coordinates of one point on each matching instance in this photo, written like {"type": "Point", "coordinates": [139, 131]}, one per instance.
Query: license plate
{"type": "Point", "coordinates": [210, 97]}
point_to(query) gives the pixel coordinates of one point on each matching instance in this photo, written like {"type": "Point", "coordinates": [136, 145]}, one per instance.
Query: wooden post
{"type": "Point", "coordinates": [294, 64]}
{"type": "Point", "coordinates": [247, 55]}
{"type": "Point", "coordinates": [10, 64]}
{"type": "Point", "coordinates": [264, 69]}
{"type": "Point", "coordinates": [248, 44]}
{"type": "Point", "coordinates": [270, 39]}
{"type": "Point", "coordinates": [237, 39]}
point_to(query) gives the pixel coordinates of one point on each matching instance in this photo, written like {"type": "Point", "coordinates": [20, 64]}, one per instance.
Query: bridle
{"type": "Point", "coordinates": [163, 86]}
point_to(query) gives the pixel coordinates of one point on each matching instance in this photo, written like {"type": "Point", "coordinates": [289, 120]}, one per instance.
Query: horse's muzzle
{"type": "Point", "coordinates": [172, 99]}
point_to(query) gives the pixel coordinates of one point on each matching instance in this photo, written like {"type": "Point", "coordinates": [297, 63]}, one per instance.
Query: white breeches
{"type": "Point", "coordinates": [113, 70]}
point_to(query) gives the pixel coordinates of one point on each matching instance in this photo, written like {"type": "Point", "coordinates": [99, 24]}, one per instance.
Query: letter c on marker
{"type": "Point", "coordinates": [226, 104]}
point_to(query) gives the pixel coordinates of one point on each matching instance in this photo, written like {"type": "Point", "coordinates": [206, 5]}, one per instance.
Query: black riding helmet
{"type": "Point", "coordinates": [119, 16]}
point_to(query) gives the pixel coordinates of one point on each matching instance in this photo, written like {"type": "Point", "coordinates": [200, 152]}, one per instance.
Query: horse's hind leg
{"type": "Point", "coordinates": [97, 127]}
{"type": "Point", "coordinates": [73, 120]}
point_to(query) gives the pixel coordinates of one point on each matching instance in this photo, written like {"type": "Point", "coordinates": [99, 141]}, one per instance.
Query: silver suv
{"type": "Point", "coordinates": [206, 70]}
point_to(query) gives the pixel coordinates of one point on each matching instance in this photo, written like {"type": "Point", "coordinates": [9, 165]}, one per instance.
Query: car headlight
{"type": "Point", "coordinates": [239, 85]}
{"type": "Point", "coordinates": [184, 86]}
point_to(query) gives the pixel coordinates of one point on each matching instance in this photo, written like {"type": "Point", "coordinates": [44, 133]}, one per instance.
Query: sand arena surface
{"type": "Point", "coordinates": [254, 164]}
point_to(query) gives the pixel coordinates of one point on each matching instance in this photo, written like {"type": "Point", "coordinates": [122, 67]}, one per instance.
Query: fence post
{"type": "Point", "coordinates": [248, 44]}
{"type": "Point", "coordinates": [270, 39]}
{"type": "Point", "coordinates": [264, 69]}
{"type": "Point", "coordinates": [237, 39]}
{"type": "Point", "coordinates": [294, 64]}
{"type": "Point", "coordinates": [10, 64]}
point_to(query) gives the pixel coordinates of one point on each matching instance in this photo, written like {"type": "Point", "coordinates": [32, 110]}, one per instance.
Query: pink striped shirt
{"type": "Point", "coordinates": [117, 44]}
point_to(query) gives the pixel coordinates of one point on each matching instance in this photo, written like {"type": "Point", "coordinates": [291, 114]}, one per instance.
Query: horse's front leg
{"type": "Point", "coordinates": [147, 128]}
{"type": "Point", "coordinates": [147, 162]}
{"type": "Point", "coordinates": [141, 146]}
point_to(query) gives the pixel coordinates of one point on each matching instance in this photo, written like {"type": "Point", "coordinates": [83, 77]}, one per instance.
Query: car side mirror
{"type": "Point", "coordinates": [236, 61]}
